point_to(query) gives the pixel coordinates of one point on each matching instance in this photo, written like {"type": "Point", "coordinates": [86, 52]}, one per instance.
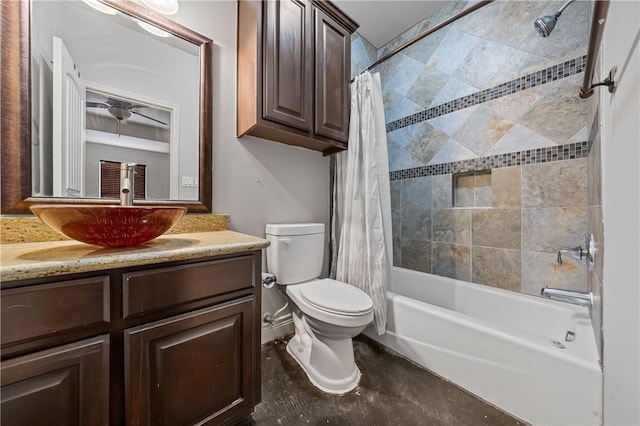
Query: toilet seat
{"type": "Point", "coordinates": [336, 297]}
{"type": "Point", "coordinates": [331, 304]}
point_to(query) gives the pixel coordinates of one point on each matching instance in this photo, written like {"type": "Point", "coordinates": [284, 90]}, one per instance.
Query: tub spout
{"type": "Point", "coordinates": [582, 298]}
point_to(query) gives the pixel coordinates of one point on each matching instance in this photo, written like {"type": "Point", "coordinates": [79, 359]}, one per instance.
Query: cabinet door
{"type": "Point", "coordinates": [332, 73]}
{"type": "Point", "coordinates": [67, 385]}
{"type": "Point", "coordinates": [288, 63]}
{"type": "Point", "coordinates": [191, 368]}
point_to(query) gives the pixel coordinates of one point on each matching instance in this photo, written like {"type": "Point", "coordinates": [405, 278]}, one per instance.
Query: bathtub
{"type": "Point", "coordinates": [534, 358]}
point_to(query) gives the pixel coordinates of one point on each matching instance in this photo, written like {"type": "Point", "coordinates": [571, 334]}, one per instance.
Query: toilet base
{"type": "Point", "coordinates": [301, 350]}
{"type": "Point", "coordinates": [325, 353]}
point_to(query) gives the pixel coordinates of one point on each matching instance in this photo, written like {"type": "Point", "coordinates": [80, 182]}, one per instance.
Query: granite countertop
{"type": "Point", "coordinates": [44, 259]}
{"type": "Point", "coordinates": [30, 229]}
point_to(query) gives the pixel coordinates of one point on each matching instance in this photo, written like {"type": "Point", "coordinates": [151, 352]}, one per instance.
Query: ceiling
{"type": "Point", "coordinates": [381, 21]}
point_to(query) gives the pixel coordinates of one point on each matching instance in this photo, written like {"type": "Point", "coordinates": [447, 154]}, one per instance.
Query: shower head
{"type": "Point", "coordinates": [545, 24]}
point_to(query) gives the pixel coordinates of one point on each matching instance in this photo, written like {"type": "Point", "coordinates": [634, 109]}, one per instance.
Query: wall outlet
{"type": "Point", "coordinates": [187, 181]}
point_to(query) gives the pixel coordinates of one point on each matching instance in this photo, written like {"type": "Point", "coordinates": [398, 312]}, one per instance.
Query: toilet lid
{"type": "Point", "coordinates": [335, 296]}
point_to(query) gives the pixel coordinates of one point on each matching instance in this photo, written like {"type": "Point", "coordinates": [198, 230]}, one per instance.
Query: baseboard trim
{"type": "Point", "coordinates": [273, 332]}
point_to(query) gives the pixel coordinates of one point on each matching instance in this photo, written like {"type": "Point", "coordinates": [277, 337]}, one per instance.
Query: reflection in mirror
{"type": "Point", "coordinates": [92, 86]}
{"type": "Point", "coordinates": [117, 69]}
{"type": "Point", "coordinates": [125, 130]}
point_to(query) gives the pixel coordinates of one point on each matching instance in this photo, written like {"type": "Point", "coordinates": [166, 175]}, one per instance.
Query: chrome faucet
{"type": "Point", "coordinates": [577, 297]}
{"type": "Point", "coordinates": [127, 174]}
{"type": "Point", "coordinates": [580, 253]}
{"type": "Point", "coordinates": [576, 252]}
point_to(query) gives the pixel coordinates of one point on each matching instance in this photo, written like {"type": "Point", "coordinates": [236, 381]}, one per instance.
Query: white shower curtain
{"type": "Point", "coordinates": [361, 217]}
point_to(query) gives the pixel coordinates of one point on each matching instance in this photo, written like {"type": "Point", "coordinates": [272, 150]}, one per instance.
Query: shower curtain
{"type": "Point", "coordinates": [361, 214]}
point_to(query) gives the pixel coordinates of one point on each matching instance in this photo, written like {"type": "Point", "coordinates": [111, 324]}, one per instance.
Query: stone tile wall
{"type": "Point", "coordinates": [489, 94]}
{"type": "Point", "coordinates": [363, 54]}
{"type": "Point", "coordinates": [485, 85]}
{"type": "Point", "coordinates": [507, 231]}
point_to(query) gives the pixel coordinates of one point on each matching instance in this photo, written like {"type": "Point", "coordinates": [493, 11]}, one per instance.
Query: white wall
{"type": "Point", "coordinates": [620, 114]}
{"type": "Point", "coordinates": [254, 180]}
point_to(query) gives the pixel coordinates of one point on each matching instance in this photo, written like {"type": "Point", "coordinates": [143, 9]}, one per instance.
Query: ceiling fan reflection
{"type": "Point", "coordinates": [122, 110]}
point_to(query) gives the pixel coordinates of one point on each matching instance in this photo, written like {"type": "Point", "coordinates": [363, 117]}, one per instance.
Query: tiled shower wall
{"type": "Point", "coordinates": [507, 232]}
{"type": "Point", "coordinates": [487, 93]}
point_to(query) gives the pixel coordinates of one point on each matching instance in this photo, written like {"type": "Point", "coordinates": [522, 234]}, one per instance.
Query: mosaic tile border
{"type": "Point", "coordinates": [532, 156]}
{"type": "Point", "coordinates": [553, 73]}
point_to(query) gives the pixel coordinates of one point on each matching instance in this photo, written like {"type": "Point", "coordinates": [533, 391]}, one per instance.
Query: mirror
{"type": "Point", "coordinates": [137, 97]}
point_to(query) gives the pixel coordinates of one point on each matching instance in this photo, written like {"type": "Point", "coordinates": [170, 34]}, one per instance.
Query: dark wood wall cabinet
{"type": "Point", "coordinates": [294, 67]}
{"type": "Point", "coordinates": [173, 343]}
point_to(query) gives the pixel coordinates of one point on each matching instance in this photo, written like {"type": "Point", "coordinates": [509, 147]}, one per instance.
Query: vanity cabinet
{"type": "Point", "coordinates": [65, 385]}
{"type": "Point", "coordinates": [294, 64]}
{"type": "Point", "coordinates": [190, 368]}
{"type": "Point", "coordinates": [171, 343]}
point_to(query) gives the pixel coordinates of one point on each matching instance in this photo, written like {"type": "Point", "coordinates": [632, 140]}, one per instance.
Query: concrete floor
{"type": "Point", "coordinates": [392, 391]}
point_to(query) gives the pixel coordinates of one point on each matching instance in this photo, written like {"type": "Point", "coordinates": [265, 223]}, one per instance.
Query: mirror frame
{"type": "Point", "coordinates": [15, 103]}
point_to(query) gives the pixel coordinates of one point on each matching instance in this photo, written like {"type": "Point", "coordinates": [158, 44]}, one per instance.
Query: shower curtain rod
{"type": "Point", "coordinates": [598, 19]}
{"type": "Point", "coordinates": [431, 30]}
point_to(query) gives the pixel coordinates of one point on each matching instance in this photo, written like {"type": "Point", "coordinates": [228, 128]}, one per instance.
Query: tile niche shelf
{"type": "Point", "coordinates": [472, 189]}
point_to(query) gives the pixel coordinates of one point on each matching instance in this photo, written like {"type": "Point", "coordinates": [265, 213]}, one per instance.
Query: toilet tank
{"type": "Point", "coordinates": [296, 251]}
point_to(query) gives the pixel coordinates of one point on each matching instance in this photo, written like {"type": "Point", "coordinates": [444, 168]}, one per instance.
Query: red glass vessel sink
{"type": "Point", "coordinates": [109, 226]}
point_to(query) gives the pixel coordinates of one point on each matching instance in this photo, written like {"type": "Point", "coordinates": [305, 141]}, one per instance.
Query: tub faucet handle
{"type": "Point", "coordinates": [579, 252]}
{"type": "Point", "coordinates": [576, 252]}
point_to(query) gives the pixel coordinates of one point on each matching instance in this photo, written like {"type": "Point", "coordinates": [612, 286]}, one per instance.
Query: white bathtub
{"type": "Point", "coordinates": [499, 345]}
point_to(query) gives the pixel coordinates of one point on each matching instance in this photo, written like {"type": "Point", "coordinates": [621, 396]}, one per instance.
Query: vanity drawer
{"type": "Point", "coordinates": [153, 289]}
{"type": "Point", "coordinates": [39, 310]}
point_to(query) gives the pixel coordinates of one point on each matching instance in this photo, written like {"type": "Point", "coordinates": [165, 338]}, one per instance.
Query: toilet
{"type": "Point", "coordinates": [327, 313]}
